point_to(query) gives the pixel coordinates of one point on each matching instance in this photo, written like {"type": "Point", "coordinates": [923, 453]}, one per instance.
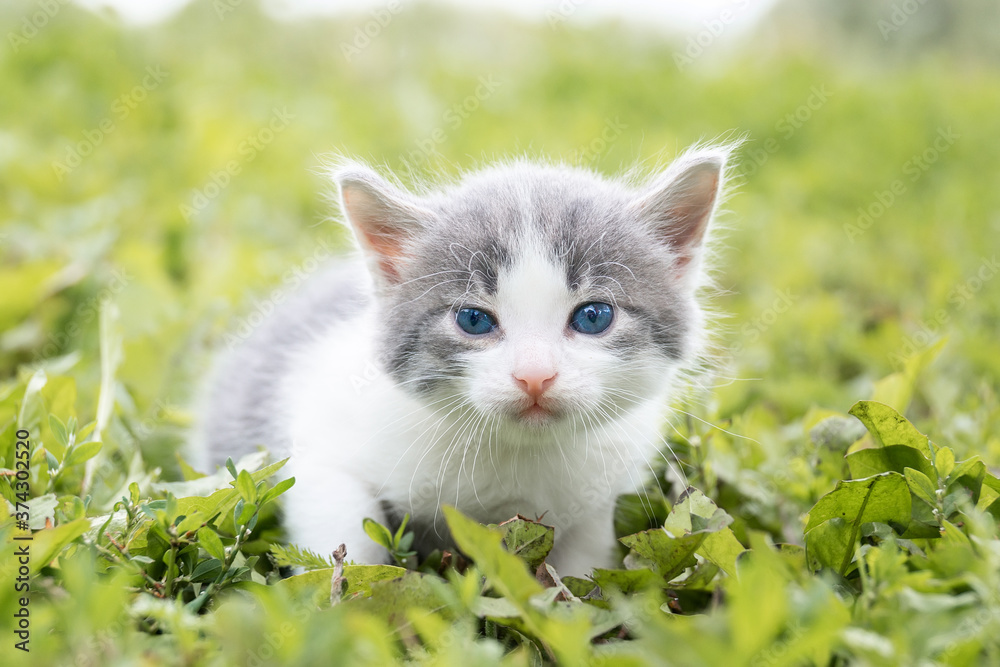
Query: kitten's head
{"type": "Point", "coordinates": [538, 296]}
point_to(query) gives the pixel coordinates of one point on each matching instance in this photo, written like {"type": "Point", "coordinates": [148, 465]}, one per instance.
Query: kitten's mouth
{"type": "Point", "coordinates": [536, 414]}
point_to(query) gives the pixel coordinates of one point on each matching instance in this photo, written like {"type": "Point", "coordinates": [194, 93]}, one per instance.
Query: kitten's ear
{"type": "Point", "coordinates": [385, 220]}
{"type": "Point", "coordinates": [678, 204]}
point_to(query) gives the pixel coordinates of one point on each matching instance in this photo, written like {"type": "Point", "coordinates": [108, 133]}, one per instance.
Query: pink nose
{"type": "Point", "coordinates": [534, 381]}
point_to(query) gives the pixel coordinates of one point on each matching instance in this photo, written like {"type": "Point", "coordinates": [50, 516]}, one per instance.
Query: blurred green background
{"type": "Point", "coordinates": [176, 169]}
{"type": "Point", "coordinates": [171, 177]}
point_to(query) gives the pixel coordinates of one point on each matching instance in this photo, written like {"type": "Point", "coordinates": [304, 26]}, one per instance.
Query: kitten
{"type": "Point", "coordinates": [511, 348]}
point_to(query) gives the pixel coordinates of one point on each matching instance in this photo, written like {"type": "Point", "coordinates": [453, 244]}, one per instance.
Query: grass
{"type": "Point", "coordinates": [145, 215]}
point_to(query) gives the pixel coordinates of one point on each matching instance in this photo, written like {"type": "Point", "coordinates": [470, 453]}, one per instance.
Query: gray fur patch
{"type": "Point", "coordinates": [483, 223]}
{"type": "Point", "coordinates": [243, 392]}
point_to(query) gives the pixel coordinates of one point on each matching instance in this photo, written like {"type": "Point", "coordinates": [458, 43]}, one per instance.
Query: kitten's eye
{"type": "Point", "coordinates": [592, 318]}
{"type": "Point", "coordinates": [474, 321]}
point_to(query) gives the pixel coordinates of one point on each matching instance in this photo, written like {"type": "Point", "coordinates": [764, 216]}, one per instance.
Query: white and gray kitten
{"type": "Point", "coordinates": [507, 344]}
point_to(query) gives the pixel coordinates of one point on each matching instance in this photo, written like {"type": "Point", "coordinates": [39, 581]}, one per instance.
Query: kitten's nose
{"type": "Point", "coordinates": [534, 380]}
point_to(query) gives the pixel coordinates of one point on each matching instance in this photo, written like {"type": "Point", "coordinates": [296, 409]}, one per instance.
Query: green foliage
{"type": "Point", "coordinates": [290, 555]}
{"type": "Point", "coordinates": [810, 535]}
{"type": "Point", "coordinates": [529, 540]}
{"type": "Point", "coordinates": [397, 544]}
{"type": "Point", "coordinates": [694, 526]}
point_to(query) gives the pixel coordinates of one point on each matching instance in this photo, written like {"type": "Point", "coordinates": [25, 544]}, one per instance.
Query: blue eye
{"type": "Point", "coordinates": [592, 318]}
{"type": "Point", "coordinates": [476, 322]}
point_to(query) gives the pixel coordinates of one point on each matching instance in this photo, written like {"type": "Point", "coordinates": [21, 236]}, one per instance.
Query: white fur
{"type": "Point", "coordinates": [357, 436]}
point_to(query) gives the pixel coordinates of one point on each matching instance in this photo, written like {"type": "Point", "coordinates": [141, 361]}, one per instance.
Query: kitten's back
{"type": "Point", "coordinates": [244, 405]}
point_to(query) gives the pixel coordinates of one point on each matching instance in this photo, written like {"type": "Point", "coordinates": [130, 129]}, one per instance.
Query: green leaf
{"type": "Point", "coordinates": [626, 581]}
{"type": "Point", "coordinates": [594, 621]}
{"type": "Point", "coordinates": [944, 462]}
{"type": "Point", "coordinates": [83, 452]}
{"type": "Point", "coordinates": [829, 544]}
{"type": "Point", "coordinates": [85, 430]}
{"type": "Point", "coordinates": [669, 555]}
{"type": "Point", "coordinates": [377, 532]}
{"type": "Point", "coordinates": [231, 467]}
{"type": "Point", "coordinates": [42, 508]}
{"type": "Point", "coordinates": [390, 599]}
{"type": "Point", "coordinates": [580, 587]}
{"type": "Point", "coordinates": [671, 549]}
{"type": "Point", "coordinates": [401, 531]}
{"type": "Point", "coordinates": [32, 404]}
{"type": "Point", "coordinates": [922, 486]}
{"type": "Point", "coordinates": [992, 481]}
{"type": "Point", "coordinates": [696, 513]}
{"type": "Point", "coordinates": [894, 458]}
{"type": "Point", "coordinates": [884, 498]}
{"type": "Point", "coordinates": [952, 501]}
{"type": "Point", "coordinates": [245, 485]}
{"type": "Point", "coordinates": [200, 509]}
{"type": "Point", "coordinates": [722, 549]}
{"type": "Point", "coordinates": [969, 476]}
{"type": "Point", "coordinates": [496, 609]}
{"type": "Point", "coordinates": [246, 515]}
{"type": "Point", "coordinates": [360, 579]}
{"type": "Point", "coordinates": [58, 430]}
{"type": "Point", "coordinates": [952, 535]}
{"type": "Point", "coordinates": [527, 539]}
{"type": "Point", "coordinates": [888, 427]}
{"type": "Point", "coordinates": [210, 542]}
{"type": "Point", "coordinates": [295, 556]}
{"type": "Point", "coordinates": [277, 490]}
{"type": "Point", "coordinates": [268, 470]}
{"type": "Point", "coordinates": [207, 570]}
{"type": "Point", "coordinates": [237, 508]}
{"type": "Point", "coordinates": [505, 571]}
{"type": "Point", "coordinates": [972, 467]}
{"type": "Point", "coordinates": [994, 509]}
{"type": "Point", "coordinates": [47, 544]}
{"type": "Point", "coordinates": [187, 472]}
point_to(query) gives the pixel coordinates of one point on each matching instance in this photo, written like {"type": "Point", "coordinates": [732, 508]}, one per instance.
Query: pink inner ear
{"type": "Point", "coordinates": [376, 232]}
{"type": "Point", "coordinates": [685, 209]}
{"type": "Point", "coordinates": [691, 212]}
{"type": "Point", "coordinates": [388, 250]}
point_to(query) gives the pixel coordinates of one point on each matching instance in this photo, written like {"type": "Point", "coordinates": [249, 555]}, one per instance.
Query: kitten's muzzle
{"type": "Point", "coordinates": [537, 414]}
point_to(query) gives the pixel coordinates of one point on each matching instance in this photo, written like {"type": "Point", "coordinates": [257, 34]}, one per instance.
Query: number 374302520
{"type": "Point", "coordinates": [22, 487]}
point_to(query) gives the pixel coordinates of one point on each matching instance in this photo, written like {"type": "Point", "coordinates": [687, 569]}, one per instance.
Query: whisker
{"type": "Point", "coordinates": [416, 440]}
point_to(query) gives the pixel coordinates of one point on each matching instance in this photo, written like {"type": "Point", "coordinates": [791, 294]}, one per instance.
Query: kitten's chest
{"type": "Point", "coordinates": [492, 478]}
